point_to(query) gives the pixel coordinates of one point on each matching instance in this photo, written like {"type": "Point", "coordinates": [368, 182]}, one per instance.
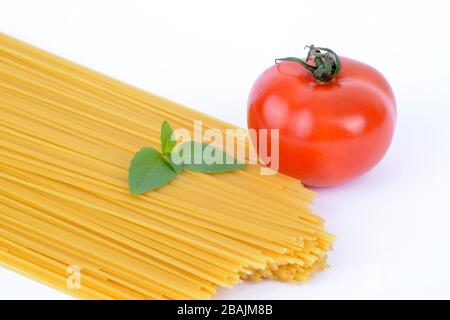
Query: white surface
{"type": "Point", "coordinates": [393, 223]}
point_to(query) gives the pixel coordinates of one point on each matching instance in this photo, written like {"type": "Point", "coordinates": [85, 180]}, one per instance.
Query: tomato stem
{"type": "Point", "coordinates": [326, 65]}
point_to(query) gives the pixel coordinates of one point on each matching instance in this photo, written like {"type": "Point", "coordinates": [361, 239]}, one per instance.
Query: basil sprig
{"type": "Point", "coordinates": [151, 169]}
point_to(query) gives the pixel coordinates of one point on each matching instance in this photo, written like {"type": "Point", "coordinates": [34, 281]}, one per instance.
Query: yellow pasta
{"type": "Point", "coordinates": [67, 137]}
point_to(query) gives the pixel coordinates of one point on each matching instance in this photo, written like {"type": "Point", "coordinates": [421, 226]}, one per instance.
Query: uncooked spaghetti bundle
{"type": "Point", "coordinates": [67, 218]}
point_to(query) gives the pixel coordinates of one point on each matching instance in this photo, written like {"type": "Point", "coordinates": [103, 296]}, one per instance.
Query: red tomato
{"type": "Point", "coordinates": [332, 130]}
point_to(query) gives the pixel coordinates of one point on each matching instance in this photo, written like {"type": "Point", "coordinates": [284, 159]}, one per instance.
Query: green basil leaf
{"type": "Point", "coordinates": [176, 167]}
{"type": "Point", "coordinates": [148, 171]}
{"type": "Point", "coordinates": [167, 144]}
{"type": "Point", "coordinates": [202, 157]}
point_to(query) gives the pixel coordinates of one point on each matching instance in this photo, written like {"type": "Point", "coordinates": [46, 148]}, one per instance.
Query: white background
{"type": "Point", "coordinates": [393, 224]}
